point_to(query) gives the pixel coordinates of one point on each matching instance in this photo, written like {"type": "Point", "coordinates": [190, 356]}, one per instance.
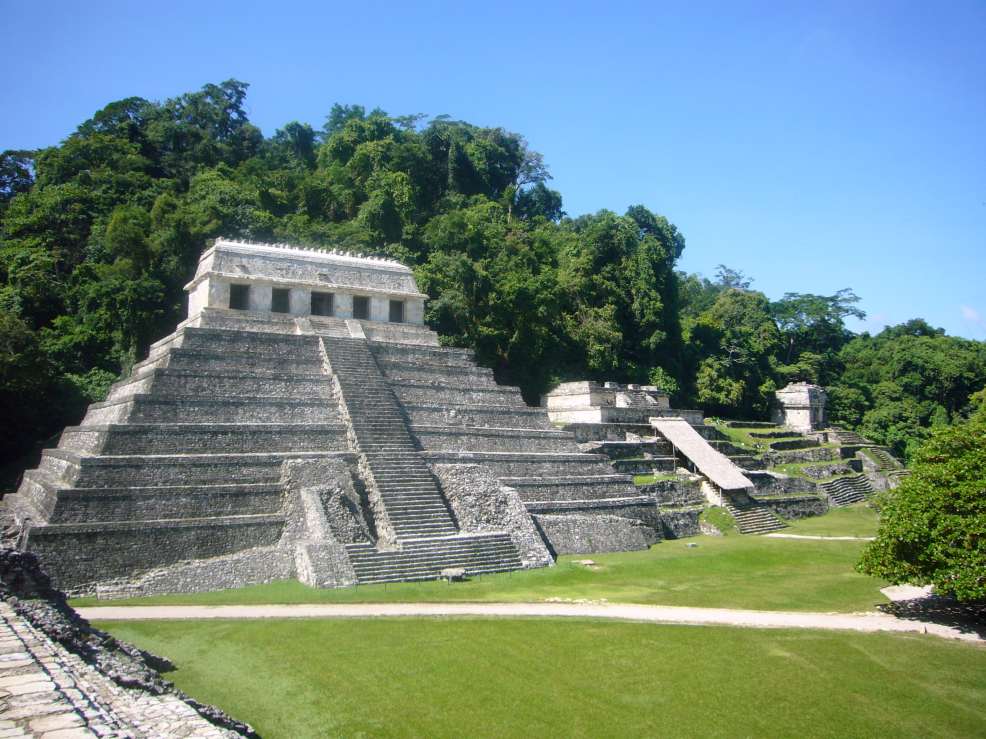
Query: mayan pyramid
{"type": "Point", "coordinates": [303, 422]}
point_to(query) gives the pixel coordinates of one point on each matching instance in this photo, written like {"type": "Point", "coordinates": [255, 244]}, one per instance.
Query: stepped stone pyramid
{"type": "Point", "coordinates": [303, 422]}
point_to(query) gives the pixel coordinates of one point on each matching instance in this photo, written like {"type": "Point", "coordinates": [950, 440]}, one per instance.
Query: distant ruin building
{"type": "Point", "coordinates": [608, 402]}
{"type": "Point", "coordinates": [801, 406]}
{"type": "Point", "coordinates": [636, 426]}
{"type": "Point", "coordinates": [303, 422]}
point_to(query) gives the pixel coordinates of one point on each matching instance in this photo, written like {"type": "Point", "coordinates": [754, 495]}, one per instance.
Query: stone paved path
{"type": "Point", "coordinates": [867, 622]}
{"type": "Point", "coordinates": [48, 692]}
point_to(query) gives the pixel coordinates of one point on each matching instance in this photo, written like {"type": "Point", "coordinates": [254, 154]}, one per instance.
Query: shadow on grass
{"type": "Point", "coordinates": [969, 618]}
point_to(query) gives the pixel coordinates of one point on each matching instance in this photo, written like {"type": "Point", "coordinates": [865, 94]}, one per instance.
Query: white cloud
{"type": "Point", "coordinates": [974, 317]}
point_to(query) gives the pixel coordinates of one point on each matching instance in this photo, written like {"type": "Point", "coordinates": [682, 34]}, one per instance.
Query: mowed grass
{"type": "Point", "coordinates": [855, 520]}
{"type": "Point", "coordinates": [721, 572]}
{"type": "Point", "coordinates": [292, 679]}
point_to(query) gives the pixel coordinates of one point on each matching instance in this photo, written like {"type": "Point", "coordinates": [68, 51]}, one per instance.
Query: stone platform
{"type": "Point", "coordinates": [254, 445]}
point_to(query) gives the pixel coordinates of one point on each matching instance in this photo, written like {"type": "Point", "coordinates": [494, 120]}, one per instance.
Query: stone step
{"type": "Point", "coordinates": [84, 505]}
{"type": "Point", "coordinates": [101, 551]}
{"type": "Point", "coordinates": [753, 518]}
{"type": "Point", "coordinates": [420, 392]}
{"type": "Point", "coordinates": [459, 377]}
{"type": "Point", "coordinates": [226, 383]}
{"type": "Point", "coordinates": [747, 461]}
{"type": "Point", "coordinates": [416, 503]}
{"type": "Point", "coordinates": [794, 444]}
{"type": "Point", "coordinates": [508, 464]}
{"type": "Point", "coordinates": [501, 559]}
{"type": "Point", "coordinates": [727, 448]}
{"type": "Point", "coordinates": [629, 449]}
{"type": "Point", "coordinates": [204, 438]}
{"type": "Point", "coordinates": [465, 357]}
{"type": "Point", "coordinates": [425, 559]}
{"type": "Point", "coordinates": [847, 490]}
{"type": "Point", "coordinates": [886, 461]}
{"type": "Point", "coordinates": [601, 487]}
{"type": "Point", "coordinates": [177, 469]}
{"type": "Point", "coordinates": [395, 484]}
{"type": "Point", "coordinates": [653, 466]}
{"type": "Point", "coordinates": [435, 438]}
{"type": "Point", "coordinates": [303, 362]}
{"type": "Point", "coordinates": [494, 551]}
{"type": "Point", "coordinates": [170, 408]}
{"type": "Point", "coordinates": [417, 517]}
{"type": "Point", "coordinates": [221, 340]}
{"type": "Point", "coordinates": [397, 366]}
{"type": "Point", "coordinates": [411, 499]}
{"type": "Point", "coordinates": [483, 416]}
{"type": "Point", "coordinates": [606, 506]}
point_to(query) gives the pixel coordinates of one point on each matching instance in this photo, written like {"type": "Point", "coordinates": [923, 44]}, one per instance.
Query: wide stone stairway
{"type": "Point", "coordinates": [459, 414]}
{"type": "Point", "coordinates": [412, 504]}
{"type": "Point", "coordinates": [848, 489]}
{"type": "Point", "coordinates": [752, 517]}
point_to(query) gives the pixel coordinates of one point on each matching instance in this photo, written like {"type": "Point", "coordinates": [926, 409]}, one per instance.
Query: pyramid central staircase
{"type": "Point", "coordinates": [410, 511]}
{"type": "Point", "coordinates": [177, 479]}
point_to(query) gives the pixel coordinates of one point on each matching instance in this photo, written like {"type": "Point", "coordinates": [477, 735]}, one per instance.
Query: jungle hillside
{"type": "Point", "coordinates": [99, 233]}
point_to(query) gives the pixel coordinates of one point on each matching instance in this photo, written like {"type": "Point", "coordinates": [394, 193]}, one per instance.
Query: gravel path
{"type": "Point", "coordinates": [820, 538]}
{"type": "Point", "coordinates": [866, 622]}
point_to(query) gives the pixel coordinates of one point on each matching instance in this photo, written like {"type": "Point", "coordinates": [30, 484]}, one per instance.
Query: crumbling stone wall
{"type": "Point", "coordinates": [680, 523]}
{"type": "Point", "coordinates": [64, 676]}
{"type": "Point", "coordinates": [682, 491]}
{"type": "Point", "coordinates": [576, 533]}
{"type": "Point", "coordinates": [324, 512]}
{"type": "Point", "coordinates": [795, 506]}
{"type": "Point", "coordinates": [771, 483]}
{"type": "Point", "coordinates": [480, 504]}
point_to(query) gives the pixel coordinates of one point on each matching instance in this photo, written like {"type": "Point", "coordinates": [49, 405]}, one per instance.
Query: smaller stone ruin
{"type": "Point", "coordinates": [608, 402]}
{"type": "Point", "coordinates": [801, 406]}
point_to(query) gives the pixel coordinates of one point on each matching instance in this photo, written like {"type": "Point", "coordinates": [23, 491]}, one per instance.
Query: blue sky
{"type": "Point", "coordinates": [813, 146]}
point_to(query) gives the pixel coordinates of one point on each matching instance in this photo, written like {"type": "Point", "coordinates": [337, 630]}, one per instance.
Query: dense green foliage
{"type": "Point", "coordinates": [99, 233]}
{"type": "Point", "coordinates": [933, 527]}
{"type": "Point", "coordinates": [298, 678]}
{"type": "Point", "coordinates": [904, 381]}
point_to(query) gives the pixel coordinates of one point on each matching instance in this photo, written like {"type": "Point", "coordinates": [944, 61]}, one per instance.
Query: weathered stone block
{"type": "Point", "coordinates": [480, 505]}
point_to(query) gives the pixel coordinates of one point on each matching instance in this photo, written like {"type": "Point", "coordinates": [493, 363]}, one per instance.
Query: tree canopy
{"type": "Point", "coordinates": [99, 233]}
{"type": "Point", "coordinates": [933, 527]}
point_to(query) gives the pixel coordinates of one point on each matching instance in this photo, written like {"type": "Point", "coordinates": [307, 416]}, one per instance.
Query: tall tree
{"type": "Point", "coordinates": [814, 330]}
{"type": "Point", "coordinates": [933, 527]}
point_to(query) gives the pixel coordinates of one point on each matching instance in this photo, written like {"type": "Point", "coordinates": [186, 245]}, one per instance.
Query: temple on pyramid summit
{"type": "Point", "coordinates": [303, 422]}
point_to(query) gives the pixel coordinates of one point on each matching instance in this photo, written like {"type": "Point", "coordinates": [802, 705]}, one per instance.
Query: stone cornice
{"type": "Point", "coordinates": [280, 282]}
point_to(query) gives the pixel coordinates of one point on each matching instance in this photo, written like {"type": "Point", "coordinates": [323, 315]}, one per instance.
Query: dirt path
{"type": "Point", "coordinates": [867, 622]}
{"type": "Point", "coordinates": [820, 538]}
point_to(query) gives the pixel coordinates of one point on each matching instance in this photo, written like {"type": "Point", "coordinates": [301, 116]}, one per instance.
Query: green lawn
{"type": "Point", "coordinates": [569, 678]}
{"type": "Point", "coordinates": [649, 479]}
{"type": "Point", "coordinates": [721, 519]}
{"type": "Point", "coordinates": [855, 520]}
{"type": "Point", "coordinates": [742, 436]}
{"type": "Point", "coordinates": [724, 572]}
